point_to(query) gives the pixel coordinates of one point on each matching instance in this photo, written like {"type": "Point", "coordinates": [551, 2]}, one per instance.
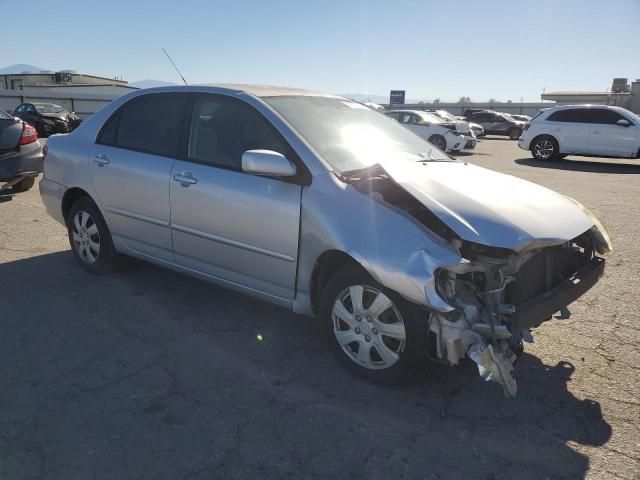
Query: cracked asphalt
{"type": "Point", "coordinates": [148, 374]}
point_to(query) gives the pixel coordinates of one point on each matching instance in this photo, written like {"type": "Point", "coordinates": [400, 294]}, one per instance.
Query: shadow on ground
{"type": "Point", "coordinates": [150, 374]}
{"type": "Point", "coordinates": [6, 195]}
{"type": "Point", "coordinates": [584, 165]}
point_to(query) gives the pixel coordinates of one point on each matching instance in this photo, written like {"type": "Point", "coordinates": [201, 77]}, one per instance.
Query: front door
{"type": "Point", "coordinates": [238, 228]}
{"type": "Point", "coordinates": [130, 167]}
{"type": "Point", "coordinates": [608, 138]}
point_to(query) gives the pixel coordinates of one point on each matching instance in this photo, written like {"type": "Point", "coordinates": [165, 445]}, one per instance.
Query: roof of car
{"type": "Point", "coordinates": [267, 90]}
{"type": "Point", "coordinates": [585, 105]}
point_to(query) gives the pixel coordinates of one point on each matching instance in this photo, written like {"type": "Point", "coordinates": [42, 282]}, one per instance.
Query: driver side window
{"type": "Point", "coordinates": [223, 128]}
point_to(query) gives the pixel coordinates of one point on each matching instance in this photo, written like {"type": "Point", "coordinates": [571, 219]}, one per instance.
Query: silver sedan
{"type": "Point", "coordinates": [328, 208]}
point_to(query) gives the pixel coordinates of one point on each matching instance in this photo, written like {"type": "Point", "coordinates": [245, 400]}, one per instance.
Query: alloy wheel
{"type": "Point", "coordinates": [86, 237]}
{"type": "Point", "coordinates": [543, 149]}
{"type": "Point", "coordinates": [368, 327]}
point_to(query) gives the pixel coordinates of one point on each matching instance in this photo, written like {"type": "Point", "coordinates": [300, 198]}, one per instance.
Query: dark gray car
{"type": "Point", "coordinates": [20, 153]}
{"type": "Point", "coordinates": [496, 123]}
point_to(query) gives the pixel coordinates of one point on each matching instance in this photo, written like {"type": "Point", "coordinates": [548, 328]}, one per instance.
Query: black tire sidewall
{"type": "Point", "coordinates": [107, 257]}
{"type": "Point", "coordinates": [415, 321]}
{"type": "Point", "coordinates": [438, 138]}
{"type": "Point", "coordinates": [513, 131]}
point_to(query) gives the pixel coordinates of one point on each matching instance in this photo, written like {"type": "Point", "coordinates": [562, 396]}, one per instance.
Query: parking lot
{"type": "Point", "coordinates": [148, 374]}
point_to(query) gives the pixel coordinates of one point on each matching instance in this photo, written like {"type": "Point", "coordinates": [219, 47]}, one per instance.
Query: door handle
{"type": "Point", "coordinates": [185, 179]}
{"type": "Point", "coordinates": [101, 160]}
{"type": "Point", "coordinates": [595, 131]}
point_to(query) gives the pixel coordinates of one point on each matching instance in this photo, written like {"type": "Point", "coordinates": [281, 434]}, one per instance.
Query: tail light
{"type": "Point", "coordinates": [29, 134]}
{"type": "Point", "coordinates": [526, 126]}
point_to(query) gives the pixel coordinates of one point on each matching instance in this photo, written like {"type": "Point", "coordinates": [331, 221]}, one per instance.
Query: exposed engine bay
{"type": "Point", "coordinates": [496, 295]}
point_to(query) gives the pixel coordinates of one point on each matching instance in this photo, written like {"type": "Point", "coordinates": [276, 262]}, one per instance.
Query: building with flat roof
{"type": "Point", "coordinates": [622, 94]}
{"type": "Point", "coordinates": [46, 78]}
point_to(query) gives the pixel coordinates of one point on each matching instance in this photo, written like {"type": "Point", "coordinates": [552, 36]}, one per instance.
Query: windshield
{"type": "Point", "coordinates": [446, 115]}
{"type": "Point", "coordinates": [632, 115]}
{"type": "Point", "coordinates": [4, 114]}
{"type": "Point", "coordinates": [431, 117]}
{"type": "Point", "coordinates": [350, 136]}
{"type": "Point", "coordinates": [48, 108]}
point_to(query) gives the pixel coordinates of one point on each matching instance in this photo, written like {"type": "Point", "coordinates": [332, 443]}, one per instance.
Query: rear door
{"type": "Point", "coordinates": [237, 228]}
{"type": "Point", "coordinates": [569, 127]}
{"type": "Point", "coordinates": [608, 138]}
{"type": "Point", "coordinates": [131, 166]}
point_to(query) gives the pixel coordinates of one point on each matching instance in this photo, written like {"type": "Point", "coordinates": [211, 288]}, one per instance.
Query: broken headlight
{"type": "Point", "coordinates": [601, 237]}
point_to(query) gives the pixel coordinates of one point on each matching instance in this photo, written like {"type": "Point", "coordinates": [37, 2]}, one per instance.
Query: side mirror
{"type": "Point", "coordinates": [623, 123]}
{"type": "Point", "coordinates": [267, 162]}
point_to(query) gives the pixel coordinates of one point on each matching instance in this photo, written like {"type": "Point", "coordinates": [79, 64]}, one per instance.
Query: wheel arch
{"type": "Point", "coordinates": [70, 197]}
{"type": "Point", "coordinates": [327, 264]}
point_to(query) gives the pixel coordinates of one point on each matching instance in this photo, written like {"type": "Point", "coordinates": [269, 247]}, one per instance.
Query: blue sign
{"type": "Point", "coordinates": [396, 97]}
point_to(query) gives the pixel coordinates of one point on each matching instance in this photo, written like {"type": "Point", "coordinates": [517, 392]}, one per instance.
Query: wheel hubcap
{"type": "Point", "coordinates": [368, 327]}
{"type": "Point", "coordinates": [543, 149]}
{"type": "Point", "coordinates": [86, 237]}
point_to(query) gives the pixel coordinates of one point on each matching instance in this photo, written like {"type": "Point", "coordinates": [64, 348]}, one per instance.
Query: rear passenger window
{"type": "Point", "coordinates": [602, 116]}
{"type": "Point", "coordinates": [222, 129]}
{"type": "Point", "coordinates": [150, 124]}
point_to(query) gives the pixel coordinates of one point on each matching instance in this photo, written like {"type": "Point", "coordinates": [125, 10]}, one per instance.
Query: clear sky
{"type": "Point", "coordinates": [503, 49]}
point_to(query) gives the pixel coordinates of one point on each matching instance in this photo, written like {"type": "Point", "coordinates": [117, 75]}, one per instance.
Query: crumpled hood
{"type": "Point", "coordinates": [57, 116]}
{"type": "Point", "coordinates": [491, 208]}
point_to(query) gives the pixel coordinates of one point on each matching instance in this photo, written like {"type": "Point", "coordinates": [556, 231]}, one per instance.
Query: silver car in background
{"type": "Point", "coordinates": [326, 207]}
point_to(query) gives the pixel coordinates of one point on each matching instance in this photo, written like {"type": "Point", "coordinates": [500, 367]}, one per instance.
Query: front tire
{"type": "Point", "coordinates": [438, 141]}
{"type": "Point", "coordinates": [544, 148]}
{"type": "Point", "coordinates": [90, 238]}
{"type": "Point", "coordinates": [375, 332]}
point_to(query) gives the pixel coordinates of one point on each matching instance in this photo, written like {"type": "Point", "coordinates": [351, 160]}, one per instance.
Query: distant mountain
{"type": "Point", "coordinates": [151, 84]}
{"type": "Point", "coordinates": [19, 68]}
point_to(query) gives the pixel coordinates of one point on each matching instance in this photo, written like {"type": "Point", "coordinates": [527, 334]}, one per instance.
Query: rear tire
{"type": "Point", "coordinates": [544, 148]}
{"type": "Point", "coordinates": [514, 133]}
{"type": "Point", "coordinates": [359, 313]}
{"type": "Point", "coordinates": [23, 185]}
{"type": "Point", "coordinates": [90, 238]}
{"type": "Point", "coordinates": [438, 141]}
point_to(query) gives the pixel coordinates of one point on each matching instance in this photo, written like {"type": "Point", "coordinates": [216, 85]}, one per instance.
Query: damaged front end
{"type": "Point", "coordinates": [499, 295]}
{"type": "Point", "coordinates": [486, 303]}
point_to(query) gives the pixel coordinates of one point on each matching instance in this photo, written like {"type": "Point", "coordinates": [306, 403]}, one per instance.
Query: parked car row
{"type": "Point", "coordinates": [447, 136]}
{"type": "Point", "coordinates": [326, 207]}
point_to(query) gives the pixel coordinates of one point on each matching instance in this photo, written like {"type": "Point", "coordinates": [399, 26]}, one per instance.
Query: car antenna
{"type": "Point", "coordinates": [174, 66]}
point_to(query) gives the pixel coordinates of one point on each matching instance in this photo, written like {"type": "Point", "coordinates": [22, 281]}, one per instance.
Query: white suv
{"type": "Point", "coordinates": [590, 130]}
